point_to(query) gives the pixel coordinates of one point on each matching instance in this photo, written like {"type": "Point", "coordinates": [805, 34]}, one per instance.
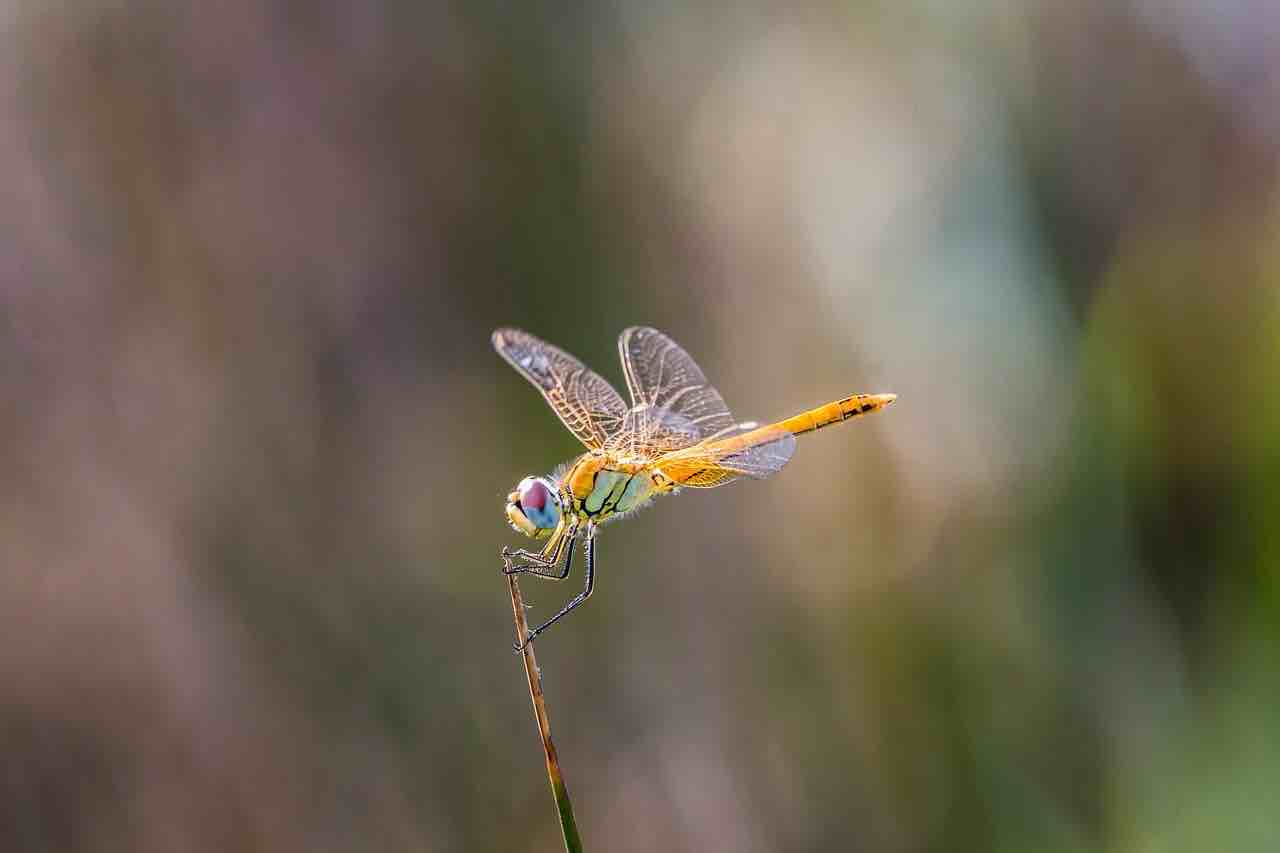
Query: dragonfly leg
{"type": "Point", "coordinates": [507, 553]}
{"type": "Point", "coordinates": [543, 565]}
{"type": "Point", "coordinates": [590, 548]}
{"type": "Point", "coordinates": [535, 556]}
{"type": "Point", "coordinates": [548, 572]}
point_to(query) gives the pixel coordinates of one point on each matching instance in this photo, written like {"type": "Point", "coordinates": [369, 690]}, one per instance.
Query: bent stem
{"type": "Point", "coordinates": [568, 826]}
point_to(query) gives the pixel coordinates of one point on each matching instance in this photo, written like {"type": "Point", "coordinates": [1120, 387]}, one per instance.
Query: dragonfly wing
{"type": "Point", "coordinates": [583, 400]}
{"type": "Point", "coordinates": [672, 401]}
{"type": "Point", "coordinates": [650, 432]}
{"type": "Point", "coordinates": [714, 463]}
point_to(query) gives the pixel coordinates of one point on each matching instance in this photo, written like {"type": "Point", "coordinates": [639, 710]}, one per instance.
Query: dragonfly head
{"type": "Point", "coordinates": [534, 507]}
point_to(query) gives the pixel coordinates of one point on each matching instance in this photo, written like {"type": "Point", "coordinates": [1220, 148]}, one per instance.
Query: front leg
{"type": "Point", "coordinates": [524, 554]}
{"type": "Point", "coordinates": [542, 564]}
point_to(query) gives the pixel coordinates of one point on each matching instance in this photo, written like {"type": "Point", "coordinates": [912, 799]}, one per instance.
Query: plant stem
{"type": "Point", "coordinates": [568, 826]}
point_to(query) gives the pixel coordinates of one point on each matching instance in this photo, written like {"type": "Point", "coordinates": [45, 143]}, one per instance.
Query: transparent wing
{"type": "Point", "coordinates": [584, 401]}
{"type": "Point", "coordinates": [672, 403]}
{"type": "Point", "coordinates": [648, 432]}
{"type": "Point", "coordinates": [759, 452]}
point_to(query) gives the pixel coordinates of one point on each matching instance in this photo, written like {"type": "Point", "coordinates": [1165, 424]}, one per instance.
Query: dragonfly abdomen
{"type": "Point", "coordinates": [763, 450]}
{"type": "Point", "coordinates": [835, 412]}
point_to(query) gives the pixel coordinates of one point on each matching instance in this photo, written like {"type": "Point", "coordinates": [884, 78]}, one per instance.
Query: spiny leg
{"type": "Point", "coordinates": [536, 556]}
{"type": "Point", "coordinates": [590, 548]}
{"type": "Point", "coordinates": [550, 553]}
{"type": "Point", "coordinates": [542, 565]}
{"type": "Point", "coordinates": [548, 572]}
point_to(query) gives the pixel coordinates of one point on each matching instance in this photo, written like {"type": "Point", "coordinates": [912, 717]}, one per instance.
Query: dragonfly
{"type": "Point", "coordinates": [676, 433]}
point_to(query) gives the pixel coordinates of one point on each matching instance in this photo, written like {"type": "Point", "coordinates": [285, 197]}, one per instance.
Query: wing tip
{"type": "Point", "coordinates": [635, 330]}
{"type": "Point", "coordinates": [501, 336]}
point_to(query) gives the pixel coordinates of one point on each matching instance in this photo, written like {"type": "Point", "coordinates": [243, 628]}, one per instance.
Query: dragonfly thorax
{"type": "Point", "coordinates": [602, 486]}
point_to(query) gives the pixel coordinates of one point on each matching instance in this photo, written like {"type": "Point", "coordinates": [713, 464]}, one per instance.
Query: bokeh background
{"type": "Point", "coordinates": [254, 442]}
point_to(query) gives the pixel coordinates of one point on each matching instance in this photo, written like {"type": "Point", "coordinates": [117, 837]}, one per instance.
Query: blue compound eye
{"type": "Point", "coordinates": [539, 503]}
{"type": "Point", "coordinates": [533, 495]}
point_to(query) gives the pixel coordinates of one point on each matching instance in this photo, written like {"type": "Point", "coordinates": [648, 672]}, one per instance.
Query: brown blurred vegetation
{"type": "Point", "coordinates": [254, 445]}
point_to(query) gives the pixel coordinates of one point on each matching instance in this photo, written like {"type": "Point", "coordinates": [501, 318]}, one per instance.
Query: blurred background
{"type": "Point", "coordinates": [255, 444]}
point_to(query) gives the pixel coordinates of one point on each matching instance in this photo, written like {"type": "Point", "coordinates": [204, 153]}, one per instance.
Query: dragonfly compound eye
{"type": "Point", "coordinates": [534, 496]}
{"type": "Point", "coordinates": [535, 508]}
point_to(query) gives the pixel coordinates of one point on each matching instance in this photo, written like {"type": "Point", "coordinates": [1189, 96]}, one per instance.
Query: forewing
{"type": "Point", "coordinates": [648, 432]}
{"type": "Point", "coordinates": [714, 463]}
{"type": "Point", "coordinates": [673, 404]}
{"type": "Point", "coordinates": [583, 400]}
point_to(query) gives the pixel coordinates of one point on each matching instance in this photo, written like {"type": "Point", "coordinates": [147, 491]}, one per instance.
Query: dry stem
{"type": "Point", "coordinates": [568, 826]}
